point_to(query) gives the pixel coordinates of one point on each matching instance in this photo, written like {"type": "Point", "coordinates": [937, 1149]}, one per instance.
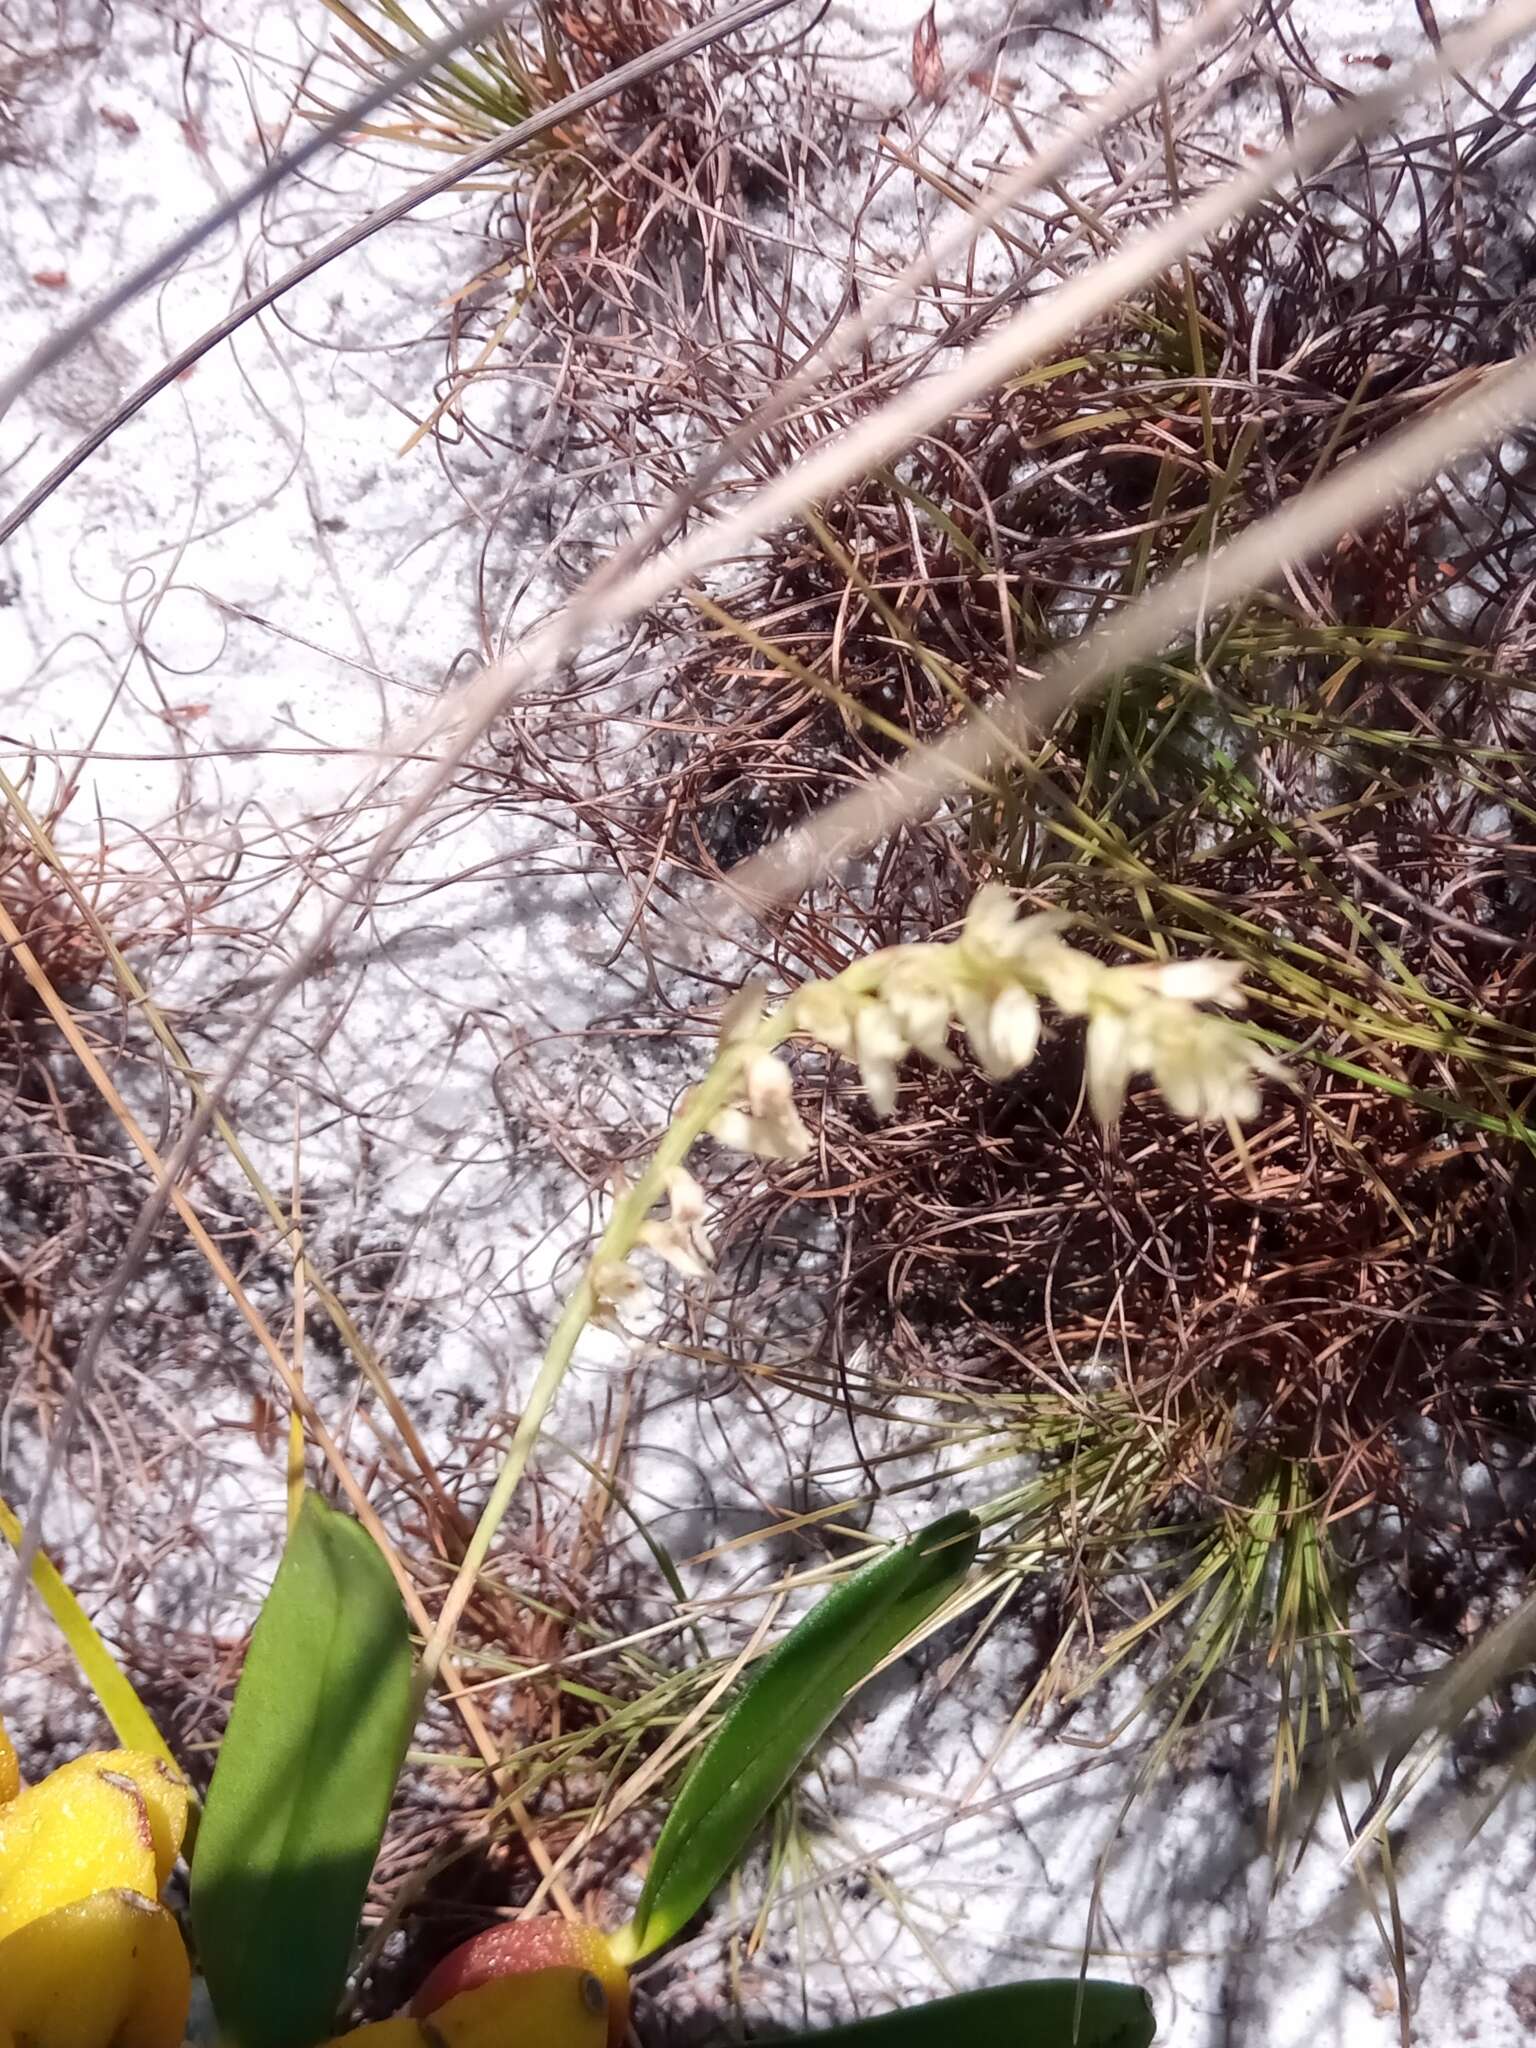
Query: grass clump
{"type": "Point", "coordinates": [494, 84]}
{"type": "Point", "coordinates": [596, 224]}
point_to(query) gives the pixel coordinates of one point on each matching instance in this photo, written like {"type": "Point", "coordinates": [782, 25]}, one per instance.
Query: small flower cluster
{"type": "Point", "coordinates": [681, 1239]}
{"type": "Point", "coordinates": [991, 982]}
{"type": "Point", "coordinates": [764, 1121]}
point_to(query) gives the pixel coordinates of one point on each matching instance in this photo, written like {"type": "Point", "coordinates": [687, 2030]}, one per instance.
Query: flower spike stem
{"type": "Point", "coordinates": [614, 1246]}
{"type": "Point", "coordinates": [992, 982]}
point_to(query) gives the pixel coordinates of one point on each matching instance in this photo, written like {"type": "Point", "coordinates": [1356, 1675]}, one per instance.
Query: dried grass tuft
{"type": "Point", "coordinates": [1332, 784]}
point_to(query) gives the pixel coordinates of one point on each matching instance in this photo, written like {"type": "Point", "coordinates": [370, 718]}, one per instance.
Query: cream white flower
{"type": "Point", "coordinates": [1110, 1059]}
{"type": "Point", "coordinates": [1211, 1072]}
{"type": "Point", "coordinates": [686, 1199]}
{"type": "Point", "coordinates": [973, 1006]}
{"type": "Point", "coordinates": [682, 1239]}
{"type": "Point", "coordinates": [733, 1128]}
{"type": "Point", "coordinates": [768, 1125]}
{"type": "Point", "coordinates": [995, 933]}
{"type": "Point", "coordinates": [878, 1046]}
{"type": "Point", "coordinates": [770, 1087]}
{"type": "Point", "coordinates": [992, 981]}
{"type": "Point", "coordinates": [615, 1284]}
{"type": "Point", "coordinates": [909, 1012]}
{"type": "Point", "coordinates": [1004, 1029]}
{"type": "Point", "coordinates": [1073, 980]}
{"type": "Point", "coordinates": [1195, 981]}
{"type": "Point", "coordinates": [991, 921]}
{"type": "Point", "coordinates": [1204, 1066]}
{"type": "Point", "coordinates": [1014, 1026]}
{"type": "Point", "coordinates": [921, 1008]}
{"type": "Point", "coordinates": [824, 1013]}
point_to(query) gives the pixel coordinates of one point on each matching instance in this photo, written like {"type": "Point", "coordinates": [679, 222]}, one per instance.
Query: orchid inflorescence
{"type": "Point", "coordinates": [994, 982]}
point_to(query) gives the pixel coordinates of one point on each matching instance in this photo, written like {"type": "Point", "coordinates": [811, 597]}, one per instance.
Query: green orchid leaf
{"type": "Point", "coordinates": [1058, 2012]}
{"type": "Point", "coordinates": [298, 1802]}
{"type": "Point", "coordinates": [780, 1713]}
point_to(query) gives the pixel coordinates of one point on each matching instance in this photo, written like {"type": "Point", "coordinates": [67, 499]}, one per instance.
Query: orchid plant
{"type": "Point", "coordinates": [90, 1958]}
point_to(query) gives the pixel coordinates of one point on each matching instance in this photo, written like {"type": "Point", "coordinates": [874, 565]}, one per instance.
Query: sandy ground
{"type": "Point", "coordinates": [224, 611]}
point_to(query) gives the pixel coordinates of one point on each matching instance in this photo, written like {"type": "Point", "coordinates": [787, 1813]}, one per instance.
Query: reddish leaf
{"type": "Point", "coordinates": [927, 60]}
{"type": "Point", "coordinates": [54, 280]}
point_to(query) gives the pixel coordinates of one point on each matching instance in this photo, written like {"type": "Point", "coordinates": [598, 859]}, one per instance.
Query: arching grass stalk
{"type": "Point", "coordinates": [992, 982]}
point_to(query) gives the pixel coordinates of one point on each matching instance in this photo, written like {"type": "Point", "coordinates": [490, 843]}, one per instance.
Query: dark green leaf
{"type": "Point", "coordinates": [1055, 2013]}
{"type": "Point", "coordinates": [298, 1802]}
{"type": "Point", "coordinates": [780, 1713]}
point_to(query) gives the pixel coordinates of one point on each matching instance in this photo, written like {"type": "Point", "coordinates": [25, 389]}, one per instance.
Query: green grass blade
{"type": "Point", "coordinates": [1058, 2012]}
{"type": "Point", "coordinates": [781, 1712]}
{"type": "Point", "coordinates": [299, 1799]}
{"type": "Point", "coordinates": [101, 1671]}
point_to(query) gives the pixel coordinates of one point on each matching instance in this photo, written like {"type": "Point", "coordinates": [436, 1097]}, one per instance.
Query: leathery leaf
{"type": "Point", "coordinates": [301, 1792]}
{"type": "Point", "coordinates": [779, 1714]}
{"type": "Point", "coordinates": [1057, 2012]}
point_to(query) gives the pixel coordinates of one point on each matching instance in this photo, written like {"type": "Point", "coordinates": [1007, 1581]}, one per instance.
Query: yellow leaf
{"type": "Point", "coordinates": [10, 1775]}
{"type": "Point", "coordinates": [78, 1832]}
{"type": "Point", "coordinates": [109, 1971]}
{"type": "Point", "coordinates": [382, 2034]}
{"type": "Point", "coordinates": [164, 1792]}
{"type": "Point", "coordinates": [564, 2008]}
